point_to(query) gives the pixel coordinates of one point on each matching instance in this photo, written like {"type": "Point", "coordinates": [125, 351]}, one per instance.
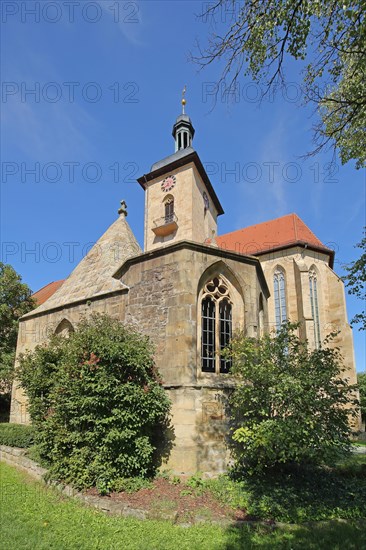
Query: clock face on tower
{"type": "Point", "coordinates": [168, 183]}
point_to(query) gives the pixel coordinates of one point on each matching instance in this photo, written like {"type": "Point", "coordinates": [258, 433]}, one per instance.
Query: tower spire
{"type": "Point", "coordinates": [183, 130]}
{"type": "Point", "coordinates": [184, 99]}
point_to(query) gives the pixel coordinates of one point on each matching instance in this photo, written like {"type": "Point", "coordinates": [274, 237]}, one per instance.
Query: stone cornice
{"type": "Point", "coordinates": [94, 298]}
{"type": "Point", "coordinates": [196, 247]}
{"type": "Point", "coordinates": [304, 245]}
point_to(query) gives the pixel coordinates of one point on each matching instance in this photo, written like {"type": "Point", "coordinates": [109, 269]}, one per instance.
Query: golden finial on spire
{"type": "Point", "coordinates": [183, 98]}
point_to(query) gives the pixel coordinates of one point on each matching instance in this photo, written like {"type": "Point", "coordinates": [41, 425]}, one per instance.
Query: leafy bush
{"type": "Point", "coordinates": [15, 301]}
{"type": "Point", "coordinates": [96, 402]}
{"type": "Point", "coordinates": [16, 435]}
{"type": "Point", "coordinates": [132, 484]}
{"type": "Point", "coordinates": [291, 404]}
{"type": "Point", "coordinates": [298, 495]}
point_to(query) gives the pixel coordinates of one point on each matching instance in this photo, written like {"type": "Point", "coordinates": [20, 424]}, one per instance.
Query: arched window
{"type": "Point", "coordinates": [169, 209]}
{"type": "Point", "coordinates": [313, 285]}
{"type": "Point", "coordinates": [208, 334]}
{"type": "Point", "coordinates": [64, 328]}
{"type": "Point", "coordinates": [279, 285]}
{"type": "Point", "coordinates": [216, 326]}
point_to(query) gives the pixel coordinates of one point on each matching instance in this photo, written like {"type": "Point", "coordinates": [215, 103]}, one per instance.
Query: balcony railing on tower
{"type": "Point", "coordinates": [165, 225]}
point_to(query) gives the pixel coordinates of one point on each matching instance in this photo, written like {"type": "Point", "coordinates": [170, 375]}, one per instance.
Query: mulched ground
{"type": "Point", "coordinates": [171, 501]}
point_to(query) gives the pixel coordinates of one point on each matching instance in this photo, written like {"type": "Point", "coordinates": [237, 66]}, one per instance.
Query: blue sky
{"type": "Point", "coordinates": [107, 79]}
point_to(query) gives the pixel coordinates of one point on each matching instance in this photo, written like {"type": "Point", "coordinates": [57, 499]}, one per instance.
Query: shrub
{"type": "Point", "coordinates": [290, 404]}
{"type": "Point", "coordinates": [297, 494]}
{"type": "Point", "coordinates": [97, 404]}
{"type": "Point", "coordinates": [16, 435]}
{"type": "Point", "coordinates": [15, 301]}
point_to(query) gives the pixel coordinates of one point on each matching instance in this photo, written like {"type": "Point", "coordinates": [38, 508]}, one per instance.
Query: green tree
{"type": "Point", "coordinates": [328, 39]}
{"type": "Point", "coordinates": [98, 407]}
{"type": "Point", "coordinates": [291, 404]}
{"type": "Point", "coordinates": [356, 282]}
{"type": "Point", "coordinates": [15, 301]}
{"type": "Point", "coordinates": [361, 381]}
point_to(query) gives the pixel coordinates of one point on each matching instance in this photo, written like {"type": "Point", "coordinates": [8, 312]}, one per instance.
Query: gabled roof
{"type": "Point", "coordinates": [46, 291]}
{"type": "Point", "coordinates": [178, 159]}
{"type": "Point", "coordinates": [171, 159]}
{"type": "Point", "coordinates": [93, 276]}
{"type": "Point", "coordinates": [280, 233]}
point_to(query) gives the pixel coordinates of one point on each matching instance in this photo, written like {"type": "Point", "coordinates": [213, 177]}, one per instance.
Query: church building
{"type": "Point", "coordinates": [189, 290]}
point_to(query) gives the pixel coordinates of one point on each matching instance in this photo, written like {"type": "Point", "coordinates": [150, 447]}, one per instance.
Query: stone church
{"type": "Point", "coordinates": [190, 290]}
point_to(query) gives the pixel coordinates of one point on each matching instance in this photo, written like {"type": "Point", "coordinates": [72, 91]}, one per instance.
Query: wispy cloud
{"type": "Point", "coordinates": [128, 17]}
{"type": "Point", "coordinates": [269, 192]}
{"type": "Point", "coordinates": [47, 132]}
{"type": "Point", "coordinates": [273, 151]}
{"type": "Point", "coordinates": [37, 127]}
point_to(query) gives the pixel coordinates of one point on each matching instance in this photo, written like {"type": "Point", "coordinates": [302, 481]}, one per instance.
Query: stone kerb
{"type": "Point", "coordinates": [16, 457]}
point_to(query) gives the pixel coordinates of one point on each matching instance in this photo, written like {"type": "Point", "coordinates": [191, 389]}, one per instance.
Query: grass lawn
{"type": "Point", "coordinates": [36, 517]}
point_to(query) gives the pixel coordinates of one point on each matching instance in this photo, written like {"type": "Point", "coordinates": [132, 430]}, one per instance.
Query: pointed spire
{"type": "Point", "coordinates": [94, 275]}
{"type": "Point", "coordinates": [184, 99]}
{"type": "Point", "coordinates": [183, 130]}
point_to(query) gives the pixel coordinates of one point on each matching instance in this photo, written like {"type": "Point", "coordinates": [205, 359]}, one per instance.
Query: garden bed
{"type": "Point", "coordinates": [177, 502]}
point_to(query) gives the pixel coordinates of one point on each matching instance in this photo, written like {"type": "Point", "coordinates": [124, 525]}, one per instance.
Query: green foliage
{"type": "Point", "coordinates": [95, 399]}
{"type": "Point", "coordinates": [132, 484]}
{"type": "Point", "coordinates": [328, 41]}
{"type": "Point", "coordinates": [297, 495]}
{"type": "Point", "coordinates": [289, 406]}
{"type": "Point", "coordinates": [186, 493]}
{"type": "Point", "coordinates": [122, 485]}
{"type": "Point", "coordinates": [15, 301]}
{"type": "Point", "coordinates": [35, 516]}
{"type": "Point", "coordinates": [126, 485]}
{"type": "Point", "coordinates": [16, 435]}
{"type": "Point", "coordinates": [196, 482]}
{"type": "Point", "coordinates": [356, 282]}
{"type": "Point", "coordinates": [164, 474]}
{"type": "Point", "coordinates": [361, 381]}
{"type": "Point", "coordinates": [175, 480]}
{"type": "Point", "coordinates": [343, 109]}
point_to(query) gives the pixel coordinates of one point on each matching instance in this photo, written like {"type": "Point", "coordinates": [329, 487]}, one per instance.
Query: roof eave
{"type": "Point", "coordinates": [305, 245]}
{"type": "Point", "coordinates": [200, 247]}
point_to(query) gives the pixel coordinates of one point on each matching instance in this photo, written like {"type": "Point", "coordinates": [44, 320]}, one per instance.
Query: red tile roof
{"type": "Point", "coordinates": [275, 234]}
{"type": "Point", "coordinates": [46, 292]}
{"type": "Point", "coordinates": [254, 240]}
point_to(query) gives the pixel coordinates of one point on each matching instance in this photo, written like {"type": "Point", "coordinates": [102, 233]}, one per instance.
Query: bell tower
{"type": "Point", "coordinates": [180, 201]}
{"type": "Point", "coordinates": [183, 131]}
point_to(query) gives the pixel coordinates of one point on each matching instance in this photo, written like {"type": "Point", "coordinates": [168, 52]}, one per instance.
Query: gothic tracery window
{"type": "Point", "coordinates": [313, 285]}
{"type": "Point", "coordinates": [279, 285]}
{"type": "Point", "coordinates": [216, 326]}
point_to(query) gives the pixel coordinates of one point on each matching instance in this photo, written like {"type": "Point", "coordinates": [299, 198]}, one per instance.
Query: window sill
{"type": "Point", "coordinates": [217, 379]}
